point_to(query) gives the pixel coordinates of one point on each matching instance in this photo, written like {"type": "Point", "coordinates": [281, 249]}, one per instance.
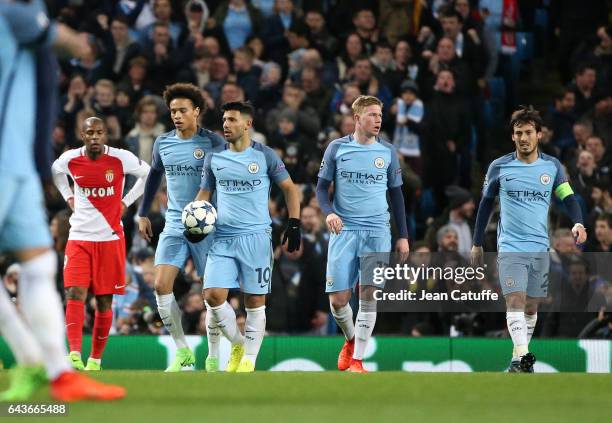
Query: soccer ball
{"type": "Point", "coordinates": [199, 217]}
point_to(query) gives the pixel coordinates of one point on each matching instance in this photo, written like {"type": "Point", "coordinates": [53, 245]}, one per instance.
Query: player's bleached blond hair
{"type": "Point", "coordinates": [363, 102]}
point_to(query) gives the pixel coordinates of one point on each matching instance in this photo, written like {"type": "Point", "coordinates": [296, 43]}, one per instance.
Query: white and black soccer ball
{"type": "Point", "coordinates": [199, 217]}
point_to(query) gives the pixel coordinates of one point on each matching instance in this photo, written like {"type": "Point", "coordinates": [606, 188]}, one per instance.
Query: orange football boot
{"type": "Point", "coordinates": [73, 386]}
{"type": "Point", "coordinates": [346, 355]}
{"type": "Point", "coordinates": [357, 367]}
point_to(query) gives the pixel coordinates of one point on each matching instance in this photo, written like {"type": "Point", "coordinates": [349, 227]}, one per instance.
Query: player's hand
{"type": "Point", "coordinates": [579, 233]}
{"type": "Point", "coordinates": [334, 223]}
{"type": "Point", "coordinates": [403, 248]}
{"type": "Point", "coordinates": [293, 235]}
{"type": "Point", "coordinates": [477, 256]}
{"type": "Point", "coordinates": [71, 203]}
{"type": "Point", "coordinates": [145, 229]}
{"type": "Point", "coordinates": [194, 238]}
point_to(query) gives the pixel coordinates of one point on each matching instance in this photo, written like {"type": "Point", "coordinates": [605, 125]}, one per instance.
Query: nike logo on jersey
{"type": "Point", "coordinates": [119, 286]}
{"type": "Point", "coordinates": [510, 179]}
{"type": "Point", "coordinates": [77, 177]}
{"type": "Point", "coordinates": [344, 160]}
{"type": "Point", "coordinates": [221, 168]}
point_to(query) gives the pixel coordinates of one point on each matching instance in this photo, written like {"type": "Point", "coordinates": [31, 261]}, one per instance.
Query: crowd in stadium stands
{"type": "Point", "coordinates": [448, 72]}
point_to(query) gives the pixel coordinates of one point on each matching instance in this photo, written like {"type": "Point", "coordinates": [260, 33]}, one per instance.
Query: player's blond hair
{"type": "Point", "coordinates": [363, 102]}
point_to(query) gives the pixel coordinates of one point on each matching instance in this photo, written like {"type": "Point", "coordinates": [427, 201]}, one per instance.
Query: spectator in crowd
{"type": "Point", "coordinates": [561, 117]}
{"type": "Point", "coordinates": [162, 12]}
{"type": "Point", "coordinates": [447, 239]}
{"type": "Point", "coordinates": [583, 87]}
{"type": "Point", "coordinates": [120, 47]}
{"type": "Point", "coordinates": [136, 81]}
{"type": "Point", "coordinates": [468, 45]}
{"type": "Point", "coordinates": [602, 200]}
{"type": "Point", "coordinates": [198, 72]}
{"type": "Point", "coordinates": [458, 216]}
{"type": "Point", "coordinates": [318, 96]}
{"type": "Point", "coordinates": [385, 68]}
{"type": "Point", "coordinates": [141, 138]}
{"type": "Point", "coordinates": [410, 112]}
{"type": "Point", "coordinates": [277, 30]}
{"type": "Point", "coordinates": [271, 89]}
{"type": "Point", "coordinates": [601, 116]}
{"type": "Point", "coordinates": [446, 132]}
{"type": "Point", "coordinates": [445, 58]}
{"type": "Point", "coordinates": [308, 122]}
{"type": "Point", "coordinates": [247, 74]}
{"type": "Point", "coordinates": [603, 159]}
{"type": "Point", "coordinates": [163, 58]}
{"type": "Point", "coordinates": [219, 74]}
{"type": "Point", "coordinates": [319, 36]}
{"type": "Point", "coordinates": [364, 21]}
{"type": "Point", "coordinates": [405, 61]}
{"type": "Point", "coordinates": [395, 19]}
{"type": "Point", "coordinates": [577, 302]}
{"type": "Point", "coordinates": [602, 241]}
{"type": "Point", "coordinates": [353, 49]}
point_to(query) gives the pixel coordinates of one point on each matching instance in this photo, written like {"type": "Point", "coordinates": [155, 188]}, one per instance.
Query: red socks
{"type": "Point", "coordinates": [75, 316]}
{"type": "Point", "coordinates": [102, 324]}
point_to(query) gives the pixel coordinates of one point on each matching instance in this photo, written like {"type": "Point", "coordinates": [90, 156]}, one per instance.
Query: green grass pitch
{"type": "Point", "coordinates": [154, 396]}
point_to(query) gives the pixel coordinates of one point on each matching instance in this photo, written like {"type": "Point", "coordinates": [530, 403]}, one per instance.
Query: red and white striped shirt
{"type": "Point", "coordinates": [98, 190]}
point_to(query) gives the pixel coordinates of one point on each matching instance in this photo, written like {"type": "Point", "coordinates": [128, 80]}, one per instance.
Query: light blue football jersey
{"type": "Point", "coordinates": [525, 192]}
{"type": "Point", "coordinates": [182, 162]}
{"type": "Point", "coordinates": [362, 174]}
{"type": "Point", "coordinates": [23, 27]}
{"type": "Point", "coordinates": [241, 181]}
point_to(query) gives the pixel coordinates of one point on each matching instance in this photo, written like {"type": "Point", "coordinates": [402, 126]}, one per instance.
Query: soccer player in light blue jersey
{"type": "Point", "coordinates": [363, 169]}
{"type": "Point", "coordinates": [525, 181]}
{"type": "Point", "coordinates": [28, 83]}
{"type": "Point", "coordinates": [241, 254]}
{"type": "Point", "coordinates": [178, 154]}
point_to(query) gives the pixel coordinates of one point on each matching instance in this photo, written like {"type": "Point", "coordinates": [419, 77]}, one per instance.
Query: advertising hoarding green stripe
{"type": "Point", "coordinates": [382, 353]}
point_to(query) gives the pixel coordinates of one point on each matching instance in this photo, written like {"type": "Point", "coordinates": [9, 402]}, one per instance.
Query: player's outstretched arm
{"type": "Point", "coordinates": [203, 195]}
{"type": "Point", "coordinates": [151, 186]}
{"type": "Point", "coordinates": [140, 169]}
{"type": "Point", "coordinates": [565, 193]}
{"type": "Point", "coordinates": [293, 233]}
{"type": "Point", "coordinates": [399, 214]}
{"type": "Point", "coordinates": [60, 179]}
{"type": "Point", "coordinates": [482, 218]}
{"type": "Point", "coordinates": [332, 220]}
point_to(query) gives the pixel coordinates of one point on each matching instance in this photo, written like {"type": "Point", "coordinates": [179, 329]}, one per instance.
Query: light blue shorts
{"type": "Point", "coordinates": [243, 262]}
{"type": "Point", "coordinates": [174, 249]}
{"type": "Point", "coordinates": [23, 222]}
{"type": "Point", "coordinates": [524, 272]}
{"type": "Point", "coordinates": [344, 252]}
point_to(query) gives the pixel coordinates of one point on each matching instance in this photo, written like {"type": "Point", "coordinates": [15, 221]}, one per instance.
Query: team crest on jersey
{"type": "Point", "coordinates": [329, 281]}
{"type": "Point", "coordinates": [198, 153]}
{"type": "Point", "coordinates": [509, 282]}
{"type": "Point", "coordinates": [253, 167]}
{"type": "Point", "coordinates": [109, 175]}
{"type": "Point", "coordinates": [379, 163]}
{"type": "Point", "coordinates": [322, 164]}
{"type": "Point", "coordinates": [545, 179]}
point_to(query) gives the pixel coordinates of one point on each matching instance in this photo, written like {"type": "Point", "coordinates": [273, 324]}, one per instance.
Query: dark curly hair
{"type": "Point", "coordinates": [526, 115]}
{"type": "Point", "coordinates": [188, 91]}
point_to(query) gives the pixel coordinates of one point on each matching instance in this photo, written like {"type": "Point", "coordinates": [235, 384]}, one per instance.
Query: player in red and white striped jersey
{"type": "Point", "coordinates": [95, 253]}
